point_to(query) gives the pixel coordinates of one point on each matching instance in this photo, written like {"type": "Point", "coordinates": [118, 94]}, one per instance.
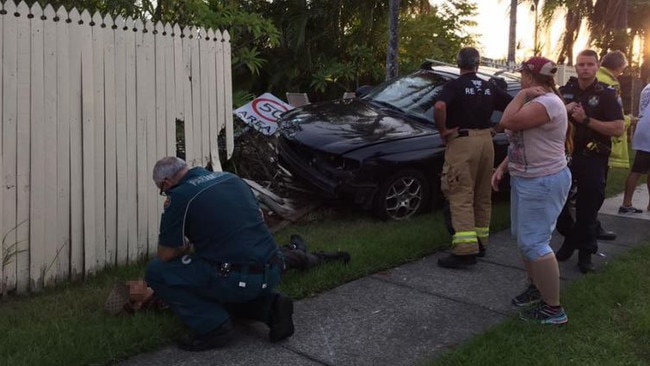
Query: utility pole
{"type": "Point", "coordinates": [393, 40]}
{"type": "Point", "coordinates": [512, 34]}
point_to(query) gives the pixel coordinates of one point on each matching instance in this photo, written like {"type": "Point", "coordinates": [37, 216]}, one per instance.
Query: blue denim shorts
{"type": "Point", "coordinates": [535, 204]}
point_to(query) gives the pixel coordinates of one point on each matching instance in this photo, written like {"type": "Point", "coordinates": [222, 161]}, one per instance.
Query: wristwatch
{"type": "Point", "coordinates": [586, 120]}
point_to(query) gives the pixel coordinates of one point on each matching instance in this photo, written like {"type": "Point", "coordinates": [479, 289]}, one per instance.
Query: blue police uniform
{"type": "Point", "coordinates": [589, 162]}
{"type": "Point", "coordinates": [235, 264]}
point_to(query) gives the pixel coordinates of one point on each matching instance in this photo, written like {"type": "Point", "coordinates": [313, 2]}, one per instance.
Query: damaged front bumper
{"type": "Point", "coordinates": [331, 178]}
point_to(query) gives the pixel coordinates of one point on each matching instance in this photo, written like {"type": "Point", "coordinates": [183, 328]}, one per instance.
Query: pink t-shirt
{"type": "Point", "coordinates": [540, 151]}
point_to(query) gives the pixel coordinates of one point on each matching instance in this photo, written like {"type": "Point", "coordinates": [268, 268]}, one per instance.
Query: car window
{"type": "Point", "coordinates": [413, 94]}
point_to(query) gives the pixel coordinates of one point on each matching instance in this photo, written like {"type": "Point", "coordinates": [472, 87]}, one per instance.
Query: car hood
{"type": "Point", "coordinates": [342, 126]}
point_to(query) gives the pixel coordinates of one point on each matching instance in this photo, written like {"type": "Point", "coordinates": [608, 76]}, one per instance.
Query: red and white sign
{"type": "Point", "coordinates": [263, 112]}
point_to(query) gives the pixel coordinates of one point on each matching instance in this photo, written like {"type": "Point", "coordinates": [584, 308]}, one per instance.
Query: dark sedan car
{"type": "Point", "coordinates": [382, 151]}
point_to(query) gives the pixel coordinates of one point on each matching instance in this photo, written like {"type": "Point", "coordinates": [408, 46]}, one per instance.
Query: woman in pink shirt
{"type": "Point", "coordinates": [537, 126]}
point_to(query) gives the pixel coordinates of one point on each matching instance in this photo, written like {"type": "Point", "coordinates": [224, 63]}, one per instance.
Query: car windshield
{"type": "Point", "coordinates": [413, 94]}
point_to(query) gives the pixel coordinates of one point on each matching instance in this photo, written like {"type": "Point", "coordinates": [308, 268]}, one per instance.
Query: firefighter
{"type": "Point", "coordinates": [462, 114]}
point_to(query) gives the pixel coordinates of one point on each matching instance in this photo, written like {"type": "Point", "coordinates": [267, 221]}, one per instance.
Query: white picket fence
{"type": "Point", "coordinates": [88, 104]}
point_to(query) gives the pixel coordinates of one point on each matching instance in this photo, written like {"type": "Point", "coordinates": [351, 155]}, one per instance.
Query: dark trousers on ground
{"type": "Point", "coordinates": [298, 259]}
{"type": "Point", "coordinates": [202, 297]}
{"type": "Point", "coordinates": [590, 176]}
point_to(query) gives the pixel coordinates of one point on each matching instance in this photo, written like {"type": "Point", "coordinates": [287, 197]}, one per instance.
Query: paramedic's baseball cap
{"type": "Point", "coordinates": [539, 65]}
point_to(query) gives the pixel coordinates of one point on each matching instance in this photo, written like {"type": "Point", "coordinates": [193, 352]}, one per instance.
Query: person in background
{"type": "Point", "coordinates": [640, 143]}
{"type": "Point", "coordinates": [612, 66]}
{"type": "Point", "coordinates": [462, 116]}
{"type": "Point", "coordinates": [596, 114]}
{"type": "Point", "coordinates": [537, 126]}
{"type": "Point", "coordinates": [234, 266]}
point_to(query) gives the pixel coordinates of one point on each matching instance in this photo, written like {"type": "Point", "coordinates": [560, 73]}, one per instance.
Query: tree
{"type": "Point", "coordinates": [576, 12]}
{"type": "Point", "coordinates": [323, 47]}
{"type": "Point", "coordinates": [607, 22]}
{"type": "Point", "coordinates": [331, 46]}
{"type": "Point", "coordinates": [249, 31]}
{"type": "Point", "coordinates": [437, 35]}
{"type": "Point", "coordinates": [608, 25]}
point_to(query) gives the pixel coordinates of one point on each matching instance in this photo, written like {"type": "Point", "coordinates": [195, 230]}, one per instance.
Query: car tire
{"type": "Point", "coordinates": [402, 195]}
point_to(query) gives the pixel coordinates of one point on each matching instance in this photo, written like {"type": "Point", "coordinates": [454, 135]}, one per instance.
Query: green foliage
{"type": "Point", "coordinates": [320, 46]}
{"type": "Point", "coordinates": [250, 58]}
{"type": "Point", "coordinates": [437, 35]}
{"type": "Point", "coordinates": [249, 31]}
{"type": "Point", "coordinates": [333, 74]}
{"type": "Point", "coordinates": [241, 97]}
{"type": "Point", "coordinates": [327, 48]}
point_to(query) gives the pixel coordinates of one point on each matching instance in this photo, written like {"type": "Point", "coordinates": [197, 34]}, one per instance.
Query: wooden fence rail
{"type": "Point", "coordinates": [88, 104]}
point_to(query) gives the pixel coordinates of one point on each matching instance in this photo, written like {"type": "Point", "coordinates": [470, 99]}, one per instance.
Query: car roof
{"type": "Point", "coordinates": [513, 81]}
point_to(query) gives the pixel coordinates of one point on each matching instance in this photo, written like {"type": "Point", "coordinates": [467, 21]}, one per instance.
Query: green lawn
{"type": "Point", "coordinates": [66, 325]}
{"type": "Point", "coordinates": [609, 324]}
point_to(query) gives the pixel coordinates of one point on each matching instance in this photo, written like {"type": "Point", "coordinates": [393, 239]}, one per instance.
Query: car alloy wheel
{"type": "Point", "coordinates": [402, 195]}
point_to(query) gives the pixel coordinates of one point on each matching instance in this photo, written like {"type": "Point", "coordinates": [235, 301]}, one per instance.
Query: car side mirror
{"type": "Point", "coordinates": [363, 90]}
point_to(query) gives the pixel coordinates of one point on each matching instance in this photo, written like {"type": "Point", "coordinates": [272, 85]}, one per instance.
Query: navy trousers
{"type": "Point", "coordinates": [590, 176]}
{"type": "Point", "coordinates": [202, 297]}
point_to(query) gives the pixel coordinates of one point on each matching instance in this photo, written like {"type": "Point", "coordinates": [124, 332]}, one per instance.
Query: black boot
{"type": "Point", "coordinates": [565, 252]}
{"type": "Point", "coordinates": [605, 234]}
{"type": "Point", "coordinates": [281, 318]}
{"type": "Point", "coordinates": [216, 338]}
{"type": "Point", "coordinates": [325, 257]}
{"type": "Point", "coordinates": [584, 262]}
{"type": "Point", "coordinates": [457, 261]}
{"type": "Point", "coordinates": [481, 251]}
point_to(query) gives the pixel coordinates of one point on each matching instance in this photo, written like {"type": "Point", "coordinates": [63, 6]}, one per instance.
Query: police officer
{"type": "Point", "coordinates": [235, 263]}
{"type": "Point", "coordinates": [594, 111]}
{"type": "Point", "coordinates": [462, 115]}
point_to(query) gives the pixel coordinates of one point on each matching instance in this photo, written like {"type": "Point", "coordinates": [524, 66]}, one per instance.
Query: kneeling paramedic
{"type": "Point", "coordinates": [235, 264]}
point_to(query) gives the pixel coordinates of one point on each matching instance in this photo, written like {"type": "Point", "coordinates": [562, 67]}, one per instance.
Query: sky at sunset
{"type": "Point", "coordinates": [492, 30]}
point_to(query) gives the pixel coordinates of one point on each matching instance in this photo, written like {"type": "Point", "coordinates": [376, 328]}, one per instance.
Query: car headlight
{"type": "Point", "coordinates": [340, 163]}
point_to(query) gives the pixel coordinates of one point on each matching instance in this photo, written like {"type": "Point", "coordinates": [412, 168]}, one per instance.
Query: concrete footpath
{"type": "Point", "coordinates": [408, 314]}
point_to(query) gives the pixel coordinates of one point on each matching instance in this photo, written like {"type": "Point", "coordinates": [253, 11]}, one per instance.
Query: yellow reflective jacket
{"type": "Point", "coordinates": [620, 156]}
